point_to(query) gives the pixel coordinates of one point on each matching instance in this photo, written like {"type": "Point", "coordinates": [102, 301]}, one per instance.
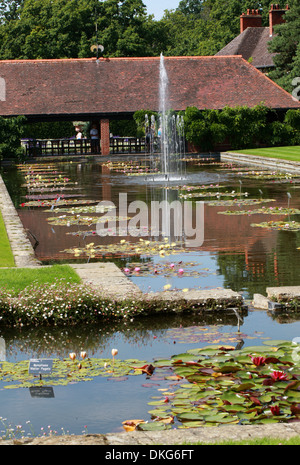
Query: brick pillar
{"type": "Point", "coordinates": [104, 130]}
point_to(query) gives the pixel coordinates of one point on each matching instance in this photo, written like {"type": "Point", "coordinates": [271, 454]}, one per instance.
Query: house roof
{"type": "Point", "coordinates": [252, 43]}
{"type": "Point", "coordinates": [110, 87]}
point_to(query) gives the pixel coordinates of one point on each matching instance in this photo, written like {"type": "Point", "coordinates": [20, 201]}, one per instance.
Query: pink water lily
{"type": "Point", "coordinates": [278, 376]}
{"type": "Point", "coordinates": [258, 361]}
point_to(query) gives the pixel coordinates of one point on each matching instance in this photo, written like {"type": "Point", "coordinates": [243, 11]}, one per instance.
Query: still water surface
{"type": "Point", "coordinates": [233, 255]}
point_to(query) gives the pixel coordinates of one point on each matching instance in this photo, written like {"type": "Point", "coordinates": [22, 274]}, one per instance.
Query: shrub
{"type": "Point", "coordinates": [11, 131]}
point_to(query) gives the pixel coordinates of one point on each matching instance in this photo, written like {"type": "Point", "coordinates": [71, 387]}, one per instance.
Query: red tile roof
{"type": "Point", "coordinates": [85, 87]}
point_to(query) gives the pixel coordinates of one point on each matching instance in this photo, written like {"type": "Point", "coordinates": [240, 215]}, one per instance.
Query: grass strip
{"type": "Point", "coordinates": [17, 279]}
{"type": "Point", "coordinates": [286, 153]}
{"type": "Point", "coordinates": [266, 441]}
{"type": "Point", "coordinates": [6, 255]}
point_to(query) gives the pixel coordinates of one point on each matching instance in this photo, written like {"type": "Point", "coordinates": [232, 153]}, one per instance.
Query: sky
{"type": "Point", "coordinates": [157, 7]}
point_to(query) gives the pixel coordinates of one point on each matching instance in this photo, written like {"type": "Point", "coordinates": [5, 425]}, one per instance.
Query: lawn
{"type": "Point", "coordinates": [6, 256]}
{"type": "Point", "coordinates": [291, 153]}
{"type": "Point", "coordinates": [16, 279]}
{"type": "Point", "coordinates": [254, 442]}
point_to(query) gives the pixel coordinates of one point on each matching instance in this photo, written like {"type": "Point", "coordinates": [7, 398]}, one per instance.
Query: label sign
{"type": "Point", "coordinates": [39, 392]}
{"type": "Point", "coordinates": [39, 366]}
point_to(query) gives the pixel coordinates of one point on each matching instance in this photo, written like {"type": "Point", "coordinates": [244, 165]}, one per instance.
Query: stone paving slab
{"type": "Point", "coordinates": [283, 292]}
{"type": "Point", "coordinates": [107, 277]}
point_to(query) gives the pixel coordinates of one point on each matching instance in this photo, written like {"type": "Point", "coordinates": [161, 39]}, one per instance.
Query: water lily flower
{"type": "Point", "coordinates": [167, 286]}
{"type": "Point", "coordinates": [114, 352]}
{"type": "Point", "coordinates": [72, 356]}
{"type": "Point", "coordinates": [137, 269]}
{"type": "Point", "coordinates": [126, 270]}
{"type": "Point", "coordinates": [278, 376]}
{"type": "Point", "coordinates": [180, 271]}
{"type": "Point", "coordinates": [83, 355]}
{"type": "Point", "coordinates": [258, 361]}
{"type": "Point", "coordinates": [275, 410]}
{"type": "Point", "coordinates": [172, 265]}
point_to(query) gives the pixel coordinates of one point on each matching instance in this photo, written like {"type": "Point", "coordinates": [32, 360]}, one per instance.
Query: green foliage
{"type": "Point", "coordinates": [140, 117]}
{"type": "Point", "coordinates": [123, 128]}
{"type": "Point", "coordinates": [254, 385]}
{"type": "Point", "coordinates": [292, 118]}
{"type": "Point", "coordinates": [242, 127]}
{"type": "Point", "coordinates": [67, 29]}
{"type": "Point", "coordinates": [52, 130]}
{"type": "Point", "coordinates": [11, 131]}
{"type": "Point", "coordinates": [286, 46]}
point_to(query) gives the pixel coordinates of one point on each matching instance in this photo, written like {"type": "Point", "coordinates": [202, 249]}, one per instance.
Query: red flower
{"type": "Point", "coordinates": [258, 361]}
{"type": "Point", "coordinates": [278, 376]}
{"type": "Point", "coordinates": [275, 410]}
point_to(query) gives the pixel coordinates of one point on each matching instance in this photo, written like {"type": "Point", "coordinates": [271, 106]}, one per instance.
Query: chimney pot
{"type": "Point", "coordinates": [251, 19]}
{"type": "Point", "coordinates": [276, 17]}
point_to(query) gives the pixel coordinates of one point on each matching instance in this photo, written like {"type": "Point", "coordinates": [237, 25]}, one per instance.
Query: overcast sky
{"type": "Point", "coordinates": [157, 7]}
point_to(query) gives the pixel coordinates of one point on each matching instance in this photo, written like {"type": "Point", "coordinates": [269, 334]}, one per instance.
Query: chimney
{"type": "Point", "coordinates": [251, 19]}
{"type": "Point", "coordinates": [276, 16]}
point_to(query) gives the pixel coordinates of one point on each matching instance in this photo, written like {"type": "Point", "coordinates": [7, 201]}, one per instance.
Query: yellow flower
{"type": "Point", "coordinates": [167, 286]}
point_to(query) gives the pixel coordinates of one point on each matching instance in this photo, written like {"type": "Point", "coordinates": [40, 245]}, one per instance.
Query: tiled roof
{"type": "Point", "coordinates": [251, 43]}
{"type": "Point", "coordinates": [114, 86]}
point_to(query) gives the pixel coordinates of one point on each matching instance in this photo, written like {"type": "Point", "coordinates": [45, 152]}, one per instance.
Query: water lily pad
{"type": "Point", "coordinates": [279, 225]}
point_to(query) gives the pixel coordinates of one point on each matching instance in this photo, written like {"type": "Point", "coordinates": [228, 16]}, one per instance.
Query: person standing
{"type": "Point", "coordinates": [94, 139]}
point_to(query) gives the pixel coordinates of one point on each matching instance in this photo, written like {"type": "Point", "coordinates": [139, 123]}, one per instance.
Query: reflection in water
{"type": "Point", "coordinates": [235, 254]}
{"type": "Point", "coordinates": [96, 341]}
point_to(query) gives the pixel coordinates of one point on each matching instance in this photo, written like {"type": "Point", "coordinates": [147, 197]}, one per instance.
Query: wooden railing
{"type": "Point", "coordinates": [48, 147]}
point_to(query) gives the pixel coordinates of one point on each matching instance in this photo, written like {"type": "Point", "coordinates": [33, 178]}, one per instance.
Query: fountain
{"type": "Point", "coordinates": [169, 128]}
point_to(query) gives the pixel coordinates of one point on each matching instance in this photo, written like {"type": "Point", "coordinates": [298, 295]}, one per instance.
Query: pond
{"type": "Point", "coordinates": [234, 254]}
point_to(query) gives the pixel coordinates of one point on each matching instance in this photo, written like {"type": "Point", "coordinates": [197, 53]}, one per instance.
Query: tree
{"type": "Point", "coordinates": [286, 44]}
{"type": "Point", "coordinates": [11, 131]}
{"type": "Point", "coordinates": [203, 27]}
{"type": "Point", "coordinates": [67, 29]}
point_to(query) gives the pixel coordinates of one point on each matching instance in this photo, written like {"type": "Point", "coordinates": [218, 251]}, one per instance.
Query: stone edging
{"type": "Point", "coordinates": [168, 437]}
{"type": "Point", "coordinates": [264, 162]}
{"type": "Point", "coordinates": [20, 244]}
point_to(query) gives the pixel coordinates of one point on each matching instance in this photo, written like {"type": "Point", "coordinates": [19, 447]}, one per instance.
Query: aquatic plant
{"type": "Point", "coordinates": [218, 385]}
{"type": "Point", "coordinates": [279, 225]}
